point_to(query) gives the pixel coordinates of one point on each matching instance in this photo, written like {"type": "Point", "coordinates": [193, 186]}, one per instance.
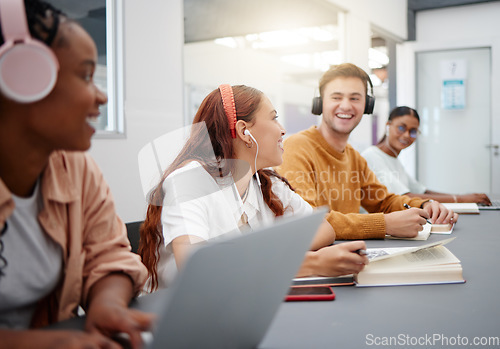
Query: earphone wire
{"type": "Point", "coordinates": [247, 132]}
{"type": "Point", "coordinates": [260, 197]}
{"type": "Point", "coordinates": [255, 164]}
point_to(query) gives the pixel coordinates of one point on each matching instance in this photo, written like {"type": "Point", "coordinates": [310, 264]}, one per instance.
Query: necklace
{"type": "Point", "coordinates": [245, 195]}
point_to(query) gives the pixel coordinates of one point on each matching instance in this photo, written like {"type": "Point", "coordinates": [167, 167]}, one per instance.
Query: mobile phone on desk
{"type": "Point", "coordinates": [310, 293]}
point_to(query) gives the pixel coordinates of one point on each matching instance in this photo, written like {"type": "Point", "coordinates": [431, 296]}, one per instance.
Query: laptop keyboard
{"type": "Point", "coordinates": [495, 204]}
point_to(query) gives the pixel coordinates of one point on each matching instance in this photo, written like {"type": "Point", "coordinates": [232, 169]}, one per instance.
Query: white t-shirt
{"type": "Point", "coordinates": [34, 263]}
{"type": "Point", "coordinates": [197, 204]}
{"type": "Point", "coordinates": [391, 173]}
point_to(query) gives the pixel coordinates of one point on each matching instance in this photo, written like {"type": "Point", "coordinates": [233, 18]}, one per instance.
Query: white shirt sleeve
{"type": "Point", "coordinates": [292, 202]}
{"type": "Point", "coordinates": [188, 194]}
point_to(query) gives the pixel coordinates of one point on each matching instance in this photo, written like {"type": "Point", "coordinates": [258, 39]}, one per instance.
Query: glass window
{"type": "Point", "coordinates": [102, 19]}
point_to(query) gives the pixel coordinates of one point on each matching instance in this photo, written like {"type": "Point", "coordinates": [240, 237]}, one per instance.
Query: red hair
{"type": "Point", "coordinates": [199, 147]}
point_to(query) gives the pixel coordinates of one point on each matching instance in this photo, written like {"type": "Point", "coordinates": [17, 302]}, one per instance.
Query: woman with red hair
{"type": "Point", "coordinates": [221, 183]}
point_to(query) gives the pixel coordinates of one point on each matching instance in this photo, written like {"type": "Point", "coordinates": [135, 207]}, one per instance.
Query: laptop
{"type": "Point", "coordinates": [229, 291]}
{"type": "Point", "coordinates": [495, 205]}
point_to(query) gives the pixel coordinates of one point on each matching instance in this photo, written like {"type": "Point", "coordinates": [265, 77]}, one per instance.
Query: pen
{"type": "Point", "coordinates": [408, 206]}
{"type": "Point", "coordinates": [361, 252]}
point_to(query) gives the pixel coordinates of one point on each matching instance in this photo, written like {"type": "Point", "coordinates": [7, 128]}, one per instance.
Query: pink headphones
{"type": "Point", "coordinates": [226, 92]}
{"type": "Point", "coordinates": [28, 68]}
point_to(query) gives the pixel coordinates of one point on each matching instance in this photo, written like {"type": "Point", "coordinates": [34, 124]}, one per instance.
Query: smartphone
{"type": "Point", "coordinates": [310, 293]}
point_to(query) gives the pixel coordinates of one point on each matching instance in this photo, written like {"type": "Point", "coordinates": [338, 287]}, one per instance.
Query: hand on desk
{"type": "Point", "coordinates": [108, 312]}
{"type": "Point", "coordinates": [406, 223]}
{"type": "Point", "coordinates": [335, 260]}
{"type": "Point", "coordinates": [478, 198]}
{"type": "Point", "coordinates": [111, 319]}
{"type": "Point", "coordinates": [439, 214]}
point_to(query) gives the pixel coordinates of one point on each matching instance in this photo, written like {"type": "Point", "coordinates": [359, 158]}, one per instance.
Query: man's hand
{"type": "Point", "coordinates": [406, 223]}
{"type": "Point", "coordinates": [439, 214]}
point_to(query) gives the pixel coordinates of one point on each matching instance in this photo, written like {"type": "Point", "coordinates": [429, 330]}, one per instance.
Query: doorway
{"type": "Point", "coordinates": [453, 92]}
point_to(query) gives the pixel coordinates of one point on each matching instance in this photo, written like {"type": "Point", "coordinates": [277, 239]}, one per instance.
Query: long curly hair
{"type": "Point", "coordinates": [199, 147]}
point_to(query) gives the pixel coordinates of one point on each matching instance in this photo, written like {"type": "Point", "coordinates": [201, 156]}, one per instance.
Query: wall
{"type": "Point", "coordinates": [388, 16]}
{"type": "Point", "coordinates": [153, 96]}
{"type": "Point", "coordinates": [459, 23]}
{"type": "Point", "coordinates": [458, 27]}
{"type": "Point", "coordinates": [208, 65]}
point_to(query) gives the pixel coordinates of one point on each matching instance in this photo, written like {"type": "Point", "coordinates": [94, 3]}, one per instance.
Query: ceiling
{"type": "Point", "coordinates": [211, 19]}
{"type": "Point", "coordinates": [421, 5]}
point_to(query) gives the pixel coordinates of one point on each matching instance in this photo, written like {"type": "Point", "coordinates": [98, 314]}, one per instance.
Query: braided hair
{"type": "Point", "coordinates": [43, 21]}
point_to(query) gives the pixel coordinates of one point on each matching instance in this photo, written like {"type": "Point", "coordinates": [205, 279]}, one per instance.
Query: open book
{"type": "Point", "coordinates": [373, 254]}
{"type": "Point", "coordinates": [428, 264]}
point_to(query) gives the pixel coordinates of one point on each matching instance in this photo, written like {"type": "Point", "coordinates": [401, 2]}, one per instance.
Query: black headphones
{"type": "Point", "coordinates": [317, 103]}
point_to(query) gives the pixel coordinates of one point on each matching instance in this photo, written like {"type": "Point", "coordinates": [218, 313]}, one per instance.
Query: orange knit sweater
{"type": "Point", "coordinates": [341, 181]}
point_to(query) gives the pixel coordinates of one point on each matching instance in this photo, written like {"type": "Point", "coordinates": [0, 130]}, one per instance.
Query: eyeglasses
{"type": "Point", "coordinates": [414, 132]}
{"type": "Point", "coordinates": [3, 261]}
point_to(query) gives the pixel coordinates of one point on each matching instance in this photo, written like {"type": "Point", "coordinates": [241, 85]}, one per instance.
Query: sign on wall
{"type": "Point", "coordinates": [453, 77]}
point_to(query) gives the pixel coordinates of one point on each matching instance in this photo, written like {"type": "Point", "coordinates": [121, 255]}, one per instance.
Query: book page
{"type": "Point", "coordinates": [424, 258]}
{"type": "Point", "coordinates": [375, 254]}
{"type": "Point", "coordinates": [432, 265]}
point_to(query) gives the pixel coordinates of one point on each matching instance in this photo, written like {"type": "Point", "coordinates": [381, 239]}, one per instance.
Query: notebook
{"type": "Point", "coordinates": [462, 207]}
{"type": "Point", "coordinates": [229, 291]}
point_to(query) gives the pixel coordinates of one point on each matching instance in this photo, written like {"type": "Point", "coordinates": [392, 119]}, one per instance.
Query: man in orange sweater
{"type": "Point", "coordinates": [325, 170]}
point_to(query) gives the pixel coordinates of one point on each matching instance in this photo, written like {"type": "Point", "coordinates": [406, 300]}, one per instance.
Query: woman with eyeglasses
{"type": "Point", "coordinates": [401, 131]}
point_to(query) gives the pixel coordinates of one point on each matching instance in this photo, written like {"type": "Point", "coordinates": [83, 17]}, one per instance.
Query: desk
{"type": "Point", "coordinates": [466, 310]}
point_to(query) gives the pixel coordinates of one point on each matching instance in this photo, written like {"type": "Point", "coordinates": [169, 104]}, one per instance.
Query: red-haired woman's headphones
{"type": "Point", "coordinates": [317, 103]}
{"type": "Point", "coordinates": [28, 68]}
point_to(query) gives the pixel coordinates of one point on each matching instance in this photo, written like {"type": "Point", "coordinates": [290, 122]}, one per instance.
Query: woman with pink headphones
{"type": "Point", "coordinates": [61, 245]}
